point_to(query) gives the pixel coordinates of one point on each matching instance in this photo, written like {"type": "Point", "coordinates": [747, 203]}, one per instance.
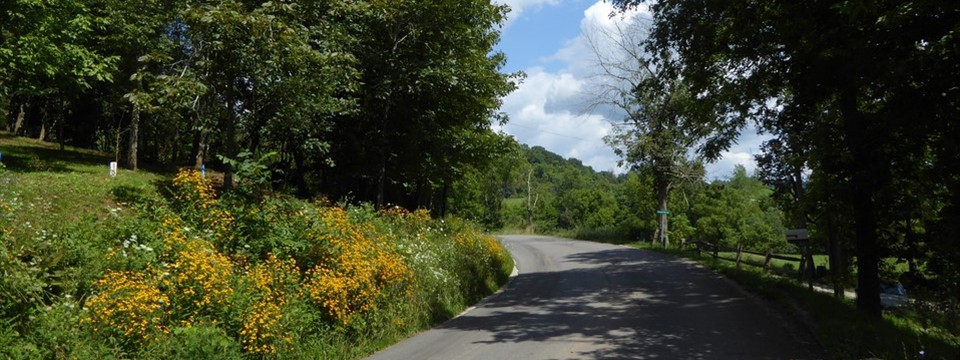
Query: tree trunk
{"type": "Point", "coordinates": [384, 146]}
{"type": "Point", "coordinates": [444, 195]}
{"type": "Point", "coordinates": [663, 196]}
{"type": "Point", "coordinates": [864, 181]}
{"type": "Point", "coordinates": [19, 124]}
{"type": "Point", "coordinates": [43, 127]}
{"type": "Point", "coordinates": [799, 217]}
{"type": "Point", "coordinates": [868, 278]}
{"type": "Point", "coordinates": [61, 118]}
{"type": "Point", "coordinates": [199, 146]}
{"type": "Point", "coordinates": [231, 141]}
{"type": "Point", "coordinates": [118, 135]}
{"type": "Point", "coordinates": [134, 138]}
{"type": "Point", "coordinates": [836, 267]}
{"type": "Point", "coordinates": [381, 180]}
{"type": "Point", "coordinates": [300, 174]}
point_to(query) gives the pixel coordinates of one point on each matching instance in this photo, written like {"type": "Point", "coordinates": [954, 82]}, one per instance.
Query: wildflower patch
{"type": "Point", "coordinates": [315, 271]}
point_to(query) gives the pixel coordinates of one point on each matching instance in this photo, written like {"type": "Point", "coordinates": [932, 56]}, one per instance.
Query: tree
{"type": "Point", "coordinates": [276, 74]}
{"type": "Point", "coordinates": [658, 131]}
{"type": "Point", "coordinates": [428, 94]}
{"type": "Point", "coordinates": [138, 35]}
{"type": "Point", "coordinates": [878, 71]}
{"type": "Point", "coordinates": [47, 53]}
{"type": "Point", "coordinates": [739, 211]}
{"type": "Point", "coordinates": [480, 192]}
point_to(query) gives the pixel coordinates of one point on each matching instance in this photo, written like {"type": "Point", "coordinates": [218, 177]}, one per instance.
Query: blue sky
{"type": "Point", "coordinates": [550, 41]}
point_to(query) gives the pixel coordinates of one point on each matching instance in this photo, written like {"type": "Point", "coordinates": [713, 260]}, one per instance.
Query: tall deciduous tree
{"type": "Point", "coordinates": [429, 91]}
{"type": "Point", "coordinates": [878, 71]}
{"type": "Point", "coordinates": [272, 76]}
{"type": "Point", "coordinates": [47, 52]}
{"type": "Point", "coordinates": [658, 130]}
{"type": "Point", "coordinates": [134, 33]}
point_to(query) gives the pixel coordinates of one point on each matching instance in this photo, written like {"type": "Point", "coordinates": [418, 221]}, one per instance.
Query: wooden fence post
{"type": "Point", "coordinates": [766, 260]}
{"type": "Point", "coordinates": [739, 253]}
{"type": "Point", "coordinates": [811, 265]}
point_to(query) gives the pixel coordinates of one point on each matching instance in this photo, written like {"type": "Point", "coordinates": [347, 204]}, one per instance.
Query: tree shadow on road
{"type": "Point", "coordinates": [629, 304]}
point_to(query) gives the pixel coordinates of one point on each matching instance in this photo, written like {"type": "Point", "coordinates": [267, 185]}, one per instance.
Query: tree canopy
{"type": "Point", "coordinates": [388, 102]}
{"type": "Point", "coordinates": [861, 94]}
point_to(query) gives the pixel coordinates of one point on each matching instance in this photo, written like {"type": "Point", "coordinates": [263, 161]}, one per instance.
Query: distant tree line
{"type": "Point", "coordinates": [382, 101]}
{"type": "Point", "coordinates": [536, 190]}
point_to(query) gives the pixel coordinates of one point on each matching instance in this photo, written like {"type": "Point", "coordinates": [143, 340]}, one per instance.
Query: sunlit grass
{"type": "Point", "coordinates": [145, 266]}
{"type": "Point", "coordinates": [55, 188]}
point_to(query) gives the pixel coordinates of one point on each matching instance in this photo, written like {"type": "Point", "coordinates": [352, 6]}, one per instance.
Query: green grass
{"type": "Point", "coordinates": [64, 223]}
{"type": "Point", "coordinates": [777, 264]}
{"type": "Point", "coordinates": [55, 188]}
{"type": "Point", "coordinates": [844, 332]}
{"type": "Point", "coordinates": [515, 202]}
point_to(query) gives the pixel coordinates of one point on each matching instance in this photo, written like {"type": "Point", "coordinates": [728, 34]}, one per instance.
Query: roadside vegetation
{"type": "Point", "coordinates": [915, 331]}
{"type": "Point", "coordinates": [163, 266]}
{"type": "Point", "coordinates": [574, 201]}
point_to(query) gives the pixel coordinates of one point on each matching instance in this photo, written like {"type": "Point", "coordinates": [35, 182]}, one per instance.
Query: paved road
{"type": "Point", "coordinates": [583, 300]}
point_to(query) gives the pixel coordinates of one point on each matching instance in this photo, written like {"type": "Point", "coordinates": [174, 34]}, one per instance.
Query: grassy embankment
{"type": "Point", "coordinates": [152, 265]}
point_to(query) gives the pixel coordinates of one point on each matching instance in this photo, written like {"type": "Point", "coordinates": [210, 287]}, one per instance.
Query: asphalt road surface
{"type": "Point", "coordinates": [583, 300]}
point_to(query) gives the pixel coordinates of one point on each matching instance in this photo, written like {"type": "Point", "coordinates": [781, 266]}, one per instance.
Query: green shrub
{"type": "Point", "coordinates": [203, 276]}
{"type": "Point", "coordinates": [200, 342]}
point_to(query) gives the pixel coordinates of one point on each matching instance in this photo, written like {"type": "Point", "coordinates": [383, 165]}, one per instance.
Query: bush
{"type": "Point", "coordinates": [203, 276]}
{"type": "Point", "coordinates": [284, 270]}
{"type": "Point", "coordinates": [201, 342]}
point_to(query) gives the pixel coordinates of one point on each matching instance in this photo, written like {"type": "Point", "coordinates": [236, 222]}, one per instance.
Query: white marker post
{"type": "Point", "coordinates": [113, 169]}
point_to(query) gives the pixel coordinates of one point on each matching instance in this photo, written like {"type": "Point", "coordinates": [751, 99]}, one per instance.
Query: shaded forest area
{"type": "Point", "coordinates": [371, 101]}
{"type": "Point", "coordinates": [861, 101]}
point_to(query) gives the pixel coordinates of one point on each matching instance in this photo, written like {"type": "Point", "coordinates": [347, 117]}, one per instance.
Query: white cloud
{"type": "Point", "coordinates": [602, 30]}
{"type": "Point", "coordinates": [549, 108]}
{"type": "Point", "coordinates": [742, 153]}
{"type": "Point", "coordinates": [552, 109]}
{"type": "Point", "coordinates": [541, 114]}
{"type": "Point", "coordinates": [518, 6]}
{"type": "Point", "coordinates": [723, 168]}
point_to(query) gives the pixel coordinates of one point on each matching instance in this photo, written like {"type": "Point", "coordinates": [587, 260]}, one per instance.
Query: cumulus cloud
{"type": "Point", "coordinates": [602, 31]}
{"type": "Point", "coordinates": [517, 7]}
{"type": "Point", "coordinates": [553, 109]}
{"type": "Point", "coordinates": [541, 114]}
{"type": "Point", "coordinates": [742, 153]}
{"type": "Point", "coordinates": [560, 111]}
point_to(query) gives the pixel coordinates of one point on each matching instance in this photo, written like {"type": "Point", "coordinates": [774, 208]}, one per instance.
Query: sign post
{"type": "Point", "coordinates": [801, 238]}
{"type": "Point", "coordinates": [113, 169]}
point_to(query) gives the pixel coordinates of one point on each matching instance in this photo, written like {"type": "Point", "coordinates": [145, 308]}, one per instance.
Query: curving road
{"type": "Point", "coordinates": [583, 300]}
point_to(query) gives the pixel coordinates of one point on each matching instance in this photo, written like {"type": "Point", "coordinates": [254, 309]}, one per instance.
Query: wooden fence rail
{"type": "Point", "coordinates": [715, 249]}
